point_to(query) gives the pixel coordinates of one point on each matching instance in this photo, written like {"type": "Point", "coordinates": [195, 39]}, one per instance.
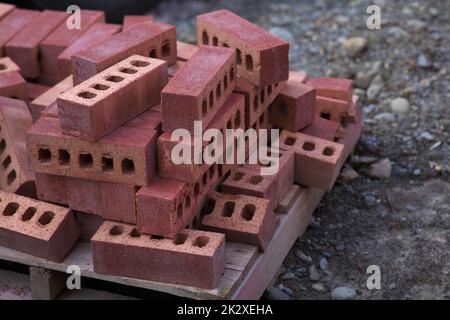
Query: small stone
{"type": "Point", "coordinates": [363, 160]}
{"type": "Point", "coordinates": [275, 293]}
{"type": "Point", "coordinates": [373, 92]}
{"type": "Point", "coordinates": [369, 200]}
{"type": "Point", "coordinates": [381, 169]}
{"type": "Point", "coordinates": [416, 25]}
{"type": "Point", "coordinates": [319, 287]}
{"type": "Point", "coordinates": [288, 276]}
{"type": "Point", "coordinates": [323, 263]}
{"type": "Point", "coordinates": [355, 46]}
{"type": "Point", "coordinates": [400, 106]}
{"type": "Point", "coordinates": [289, 291]}
{"type": "Point", "coordinates": [417, 172]}
{"type": "Point", "coordinates": [314, 274]}
{"type": "Point", "coordinates": [385, 116]}
{"type": "Point", "coordinates": [423, 62]}
{"type": "Point", "coordinates": [283, 34]}
{"type": "Point", "coordinates": [303, 257]}
{"type": "Point", "coordinates": [427, 136]}
{"type": "Point", "coordinates": [343, 293]}
{"type": "Point", "coordinates": [397, 33]}
{"type": "Point", "coordinates": [348, 174]}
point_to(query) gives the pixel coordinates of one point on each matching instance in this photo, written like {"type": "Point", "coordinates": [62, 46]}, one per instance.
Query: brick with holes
{"type": "Point", "coordinates": [35, 227]}
{"type": "Point", "coordinates": [130, 21]}
{"type": "Point", "coordinates": [295, 106]}
{"type": "Point", "coordinates": [127, 155]}
{"type": "Point", "coordinates": [332, 109]}
{"type": "Point", "coordinates": [317, 161]}
{"type": "Point", "coordinates": [241, 218]}
{"type": "Point", "coordinates": [15, 120]}
{"type": "Point", "coordinates": [13, 85]}
{"type": "Point", "coordinates": [195, 258]}
{"type": "Point", "coordinates": [156, 40]}
{"type": "Point", "coordinates": [49, 97]}
{"type": "Point", "coordinates": [62, 37]}
{"type": "Point", "coordinates": [185, 51]}
{"type": "Point", "coordinates": [13, 23]}
{"type": "Point", "coordinates": [262, 57]}
{"type": "Point", "coordinates": [23, 48]}
{"type": "Point", "coordinates": [335, 88]}
{"type": "Point", "coordinates": [95, 107]}
{"type": "Point", "coordinates": [96, 34]}
{"type": "Point", "coordinates": [199, 89]}
{"type": "Point", "coordinates": [230, 115]}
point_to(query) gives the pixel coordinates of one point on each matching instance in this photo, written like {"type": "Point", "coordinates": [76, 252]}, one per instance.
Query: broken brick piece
{"type": "Point", "coordinates": [185, 51]}
{"type": "Point", "coordinates": [96, 33]}
{"type": "Point", "coordinates": [130, 21]}
{"type": "Point", "coordinates": [95, 107]}
{"type": "Point", "coordinates": [241, 218]}
{"type": "Point", "coordinates": [335, 88]}
{"type": "Point", "coordinates": [262, 58]}
{"type": "Point", "coordinates": [295, 106]}
{"type": "Point", "coordinates": [62, 37]}
{"type": "Point", "coordinates": [35, 227]}
{"type": "Point", "coordinates": [13, 85]}
{"type": "Point", "coordinates": [23, 48]}
{"type": "Point", "coordinates": [194, 258]}
{"type": "Point", "coordinates": [199, 89]}
{"type": "Point", "coordinates": [154, 40]}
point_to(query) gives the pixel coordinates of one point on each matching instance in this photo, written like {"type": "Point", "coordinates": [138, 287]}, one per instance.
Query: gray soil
{"type": "Point", "coordinates": [402, 223]}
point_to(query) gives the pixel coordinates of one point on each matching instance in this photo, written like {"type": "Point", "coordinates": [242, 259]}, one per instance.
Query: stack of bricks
{"type": "Point", "coordinates": [89, 117]}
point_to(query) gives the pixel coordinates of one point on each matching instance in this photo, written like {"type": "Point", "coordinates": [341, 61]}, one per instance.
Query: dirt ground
{"type": "Point", "coordinates": [400, 223]}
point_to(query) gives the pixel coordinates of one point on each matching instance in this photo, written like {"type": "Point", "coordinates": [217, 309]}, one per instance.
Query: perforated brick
{"type": "Point", "coordinates": [95, 107]}
{"type": "Point", "coordinates": [35, 227]}
{"type": "Point", "coordinates": [324, 129]}
{"type": "Point", "coordinates": [335, 88]}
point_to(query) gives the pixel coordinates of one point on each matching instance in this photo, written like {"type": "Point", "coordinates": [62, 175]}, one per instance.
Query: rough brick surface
{"type": "Point", "coordinates": [97, 33]}
{"type": "Point", "coordinates": [324, 129]}
{"type": "Point", "coordinates": [7, 65]}
{"type": "Point", "coordinates": [194, 258]}
{"type": "Point", "coordinates": [199, 89]}
{"type": "Point", "coordinates": [185, 51]}
{"type": "Point", "coordinates": [241, 218]}
{"type": "Point", "coordinates": [335, 88]}
{"type": "Point", "coordinates": [127, 155]}
{"type": "Point", "coordinates": [51, 188]}
{"type": "Point", "coordinates": [262, 58]}
{"type": "Point", "coordinates": [15, 120]}
{"type": "Point", "coordinates": [295, 106]}
{"type": "Point", "coordinates": [173, 69]}
{"type": "Point", "coordinates": [95, 107]}
{"type": "Point", "coordinates": [62, 37]}
{"type": "Point", "coordinates": [6, 9]}
{"type": "Point", "coordinates": [35, 90]}
{"type": "Point", "coordinates": [298, 76]}
{"type": "Point", "coordinates": [150, 119]}
{"type": "Point", "coordinates": [155, 40]}
{"type": "Point", "coordinates": [13, 85]}
{"type": "Point", "coordinates": [23, 48]}
{"type": "Point", "coordinates": [332, 109]}
{"type": "Point", "coordinates": [35, 227]}
{"type": "Point", "coordinates": [131, 21]}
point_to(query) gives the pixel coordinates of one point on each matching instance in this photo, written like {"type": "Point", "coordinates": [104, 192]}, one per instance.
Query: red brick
{"type": "Point", "coordinates": [295, 106]}
{"type": "Point", "coordinates": [83, 195]}
{"type": "Point", "coordinates": [298, 76]}
{"type": "Point", "coordinates": [173, 69]}
{"type": "Point", "coordinates": [194, 258]}
{"type": "Point", "coordinates": [12, 85]}
{"type": "Point", "coordinates": [35, 90]}
{"type": "Point", "coordinates": [262, 58]}
{"type": "Point", "coordinates": [6, 9]}
{"type": "Point", "coordinates": [15, 120]}
{"type": "Point", "coordinates": [323, 128]}
{"type": "Point", "coordinates": [51, 111]}
{"type": "Point", "coordinates": [241, 218]}
{"type": "Point", "coordinates": [156, 40]}
{"type": "Point", "coordinates": [37, 228]}
{"type": "Point", "coordinates": [230, 115]}
{"type": "Point", "coordinates": [317, 161]}
{"type": "Point", "coordinates": [335, 88]}
{"type": "Point", "coordinates": [7, 65]}
{"type": "Point", "coordinates": [133, 21]}
{"type": "Point", "coordinates": [88, 225]}
{"type": "Point", "coordinates": [95, 107]}
{"type": "Point", "coordinates": [23, 48]}
{"type": "Point", "coordinates": [118, 202]}
{"type": "Point", "coordinates": [150, 119]}
{"type": "Point", "coordinates": [14, 23]}
{"type": "Point", "coordinates": [96, 34]}
{"type": "Point", "coordinates": [157, 107]}
{"type": "Point", "coordinates": [331, 109]}
{"type": "Point", "coordinates": [199, 89]}
{"type": "Point", "coordinates": [352, 131]}
{"type": "Point", "coordinates": [185, 51]}
{"type": "Point", "coordinates": [49, 97]}
{"type": "Point", "coordinates": [51, 188]}
{"type": "Point", "coordinates": [132, 151]}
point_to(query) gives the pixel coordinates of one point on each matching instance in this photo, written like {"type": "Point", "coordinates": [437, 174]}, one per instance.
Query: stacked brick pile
{"type": "Point", "coordinates": [94, 120]}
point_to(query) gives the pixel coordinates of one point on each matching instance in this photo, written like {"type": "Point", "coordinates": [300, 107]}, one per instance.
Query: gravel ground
{"type": "Point", "coordinates": [393, 213]}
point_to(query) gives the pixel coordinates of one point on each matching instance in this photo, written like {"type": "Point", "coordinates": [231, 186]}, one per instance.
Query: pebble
{"type": "Point", "coordinates": [369, 200]}
{"type": "Point", "coordinates": [381, 169]}
{"type": "Point", "coordinates": [275, 293]}
{"type": "Point", "coordinates": [288, 276]}
{"type": "Point", "coordinates": [417, 172]}
{"type": "Point", "coordinates": [385, 117]}
{"type": "Point", "coordinates": [373, 92]}
{"type": "Point", "coordinates": [323, 263]}
{"type": "Point", "coordinates": [400, 106]}
{"type": "Point", "coordinates": [319, 287]}
{"type": "Point", "coordinates": [303, 257]}
{"type": "Point", "coordinates": [427, 136]}
{"type": "Point", "coordinates": [423, 61]}
{"type": "Point", "coordinates": [283, 34]}
{"type": "Point", "coordinates": [355, 46]}
{"type": "Point", "coordinates": [343, 293]}
{"type": "Point", "coordinates": [314, 274]}
{"type": "Point", "coordinates": [397, 33]}
{"type": "Point", "coordinates": [348, 174]}
{"type": "Point", "coordinates": [370, 143]}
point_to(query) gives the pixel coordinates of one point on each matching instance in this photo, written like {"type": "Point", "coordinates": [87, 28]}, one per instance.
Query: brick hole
{"type": "Point", "coordinates": [229, 125]}
{"type": "Point", "coordinates": [180, 211]}
{"type": "Point", "coordinates": [205, 38]}
{"type": "Point", "coordinates": [128, 70]}
{"type": "Point", "coordinates": [212, 169]}
{"type": "Point", "coordinates": [204, 107]}
{"type": "Point", "coordinates": [249, 62]}
{"type": "Point", "coordinates": [209, 206]}
{"type": "Point", "coordinates": [237, 119]}
{"type": "Point", "coordinates": [156, 237]}
{"type": "Point", "coordinates": [44, 155]}
{"type": "Point", "coordinates": [248, 212]}
{"type": "Point", "coordinates": [114, 79]}
{"type": "Point", "coordinates": [283, 109]}
{"type": "Point", "coordinates": [63, 157]}
{"type": "Point", "coordinates": [239, 56]}
{"type": "Point", "coordinates": [85, 160]}
{"type": "Point", "coordinates": [225, 82]}
{"type": "Point", "coordinates": [261, 119]}
{"type": "Point", "coordinates": [211, 99]}
{"type": "Point", "coordinates": [152, 53]}
{"type": "Point", "coordinates": [328, 151]}
{"type": "Point", "coordinates": [218, 91]}
{"type": "Point", "coordinates": [188, 202]}
{"type": "Point", "coordinates": [309, 146]}
{"type": "Point", "coordinates": [290, 141]}
{"type": "Point", "coordinates": [6, 162]}
{"type": "Point", "coordinates": [262, 95]}
{"type": "Point", "coordinates": [28, 214]}
{"type": "Point", "coordinates": [2, 146]}
{"type": "Point", "coordinates": [325, 115]}
{"type": "Point", "coordinates": [107, 163]}
{"type": "Point", "coordinates": [100, 87]}
{"type": "Point", "coordinates": [11, 209]}
{"type": "Point", "coordinates": [228, 209]}
{"type": "Point", "coordinates": [135, 233]}
{"type": "Point", "coordinates": [180, 239]}
{"type": "Point", "coordinates": [256, 103]}
{"type": "Point", "coordinates": [87, 95]}
{"type": "Point", "coordinates": [232, 74]}
{"type": "Point", "coordinates": [196, 189]}
{"type": "Point", "coordinates": [201, 241]}
{"type": "Point", "coordinates": [215, 41]}
{"type": "Point", "coordinates": [220, 170]}
{"type": "Point", "coordinates": [205, 179]}
{"type": "Point", "coordinates": [336, 139]}
{"type": "Point", "coordinates": [225, 45]}
{"type": "Point", "coordinates": [276, 85]}
{"type": "Point", "coordinates": [139, 64]}
{"type": "Point", "coordinates": [254, 180]}
{"type": "Point", "coordinates": [269, 89]}
{"type": "Point", "coordinates": [165, 49]}
{"type": "Point", "coordinates": [2, 66]}
{"type": "Point", "coordinates": [11, 177]}
{"type": "Point", "coordinates": [128, 166]}
{"type": "Point", "coordinates": [116, 230]}
{"type": "Point", "coordinates": [46, 218]}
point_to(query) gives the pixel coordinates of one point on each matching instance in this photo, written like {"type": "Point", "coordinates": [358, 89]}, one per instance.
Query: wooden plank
{"type": "Point", "coordinates": [46, 284]}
